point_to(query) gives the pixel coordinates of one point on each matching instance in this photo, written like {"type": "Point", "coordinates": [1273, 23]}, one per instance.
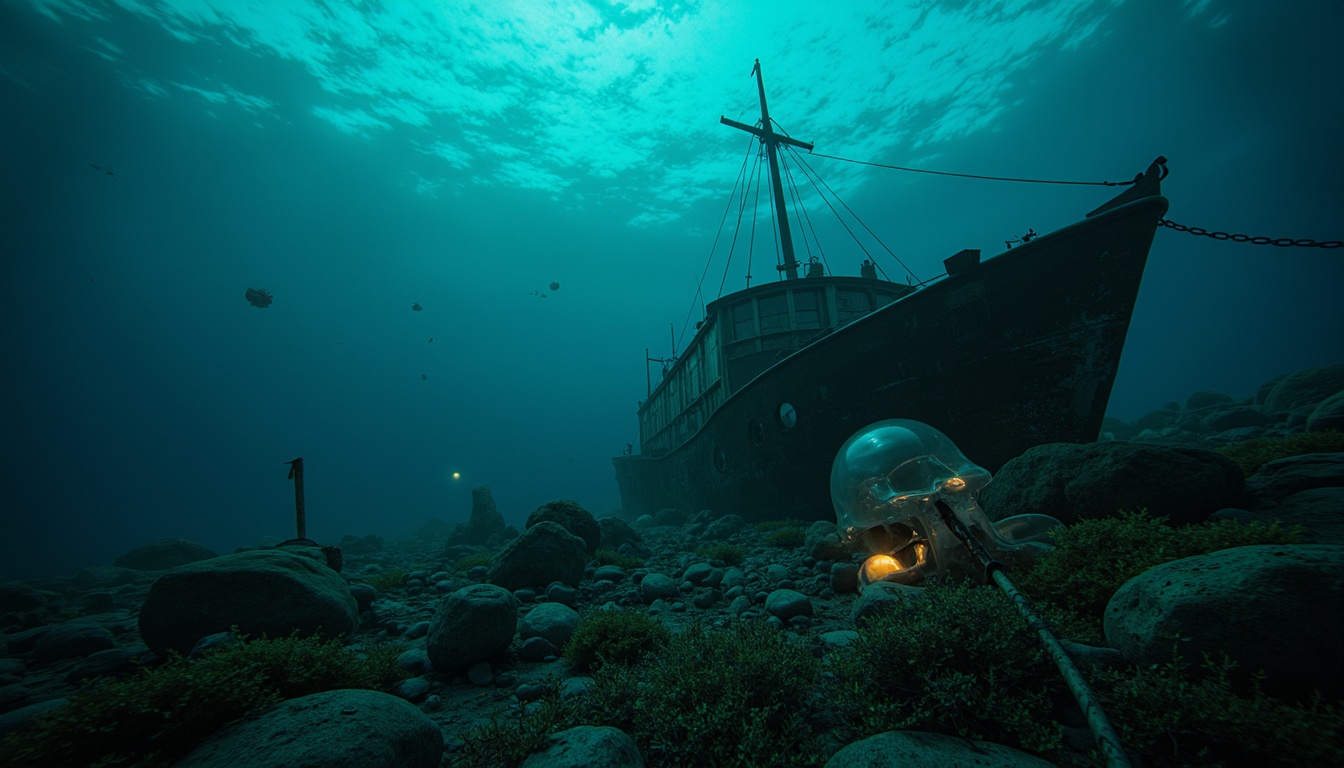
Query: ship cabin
{"type": "Point", "coordinates": [745, 333]}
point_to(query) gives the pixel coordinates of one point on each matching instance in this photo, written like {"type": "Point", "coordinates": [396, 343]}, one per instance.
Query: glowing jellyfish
{"type": "Point", "coordinates": [885, 484]}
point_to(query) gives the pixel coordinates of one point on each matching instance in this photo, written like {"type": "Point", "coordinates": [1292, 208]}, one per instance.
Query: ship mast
{"type": "Point", "coordinates": [771, 140]}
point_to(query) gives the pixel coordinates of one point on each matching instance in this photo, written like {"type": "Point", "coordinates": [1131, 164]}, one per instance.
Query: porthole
{"type": "Point", "coordinates": [756, 431]}
{"type": "Point", "coordinates": [720, 459]}
{"type": "Point", "coordinates": [788, 417]}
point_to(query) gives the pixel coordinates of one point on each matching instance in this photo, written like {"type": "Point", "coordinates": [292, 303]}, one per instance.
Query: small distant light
{"type": "Point", "coordinates": [457, 475]}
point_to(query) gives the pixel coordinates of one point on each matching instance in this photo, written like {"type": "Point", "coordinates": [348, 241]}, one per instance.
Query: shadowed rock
{"type": "Point", "coordinates": [348, 728]}
{"type": "Point", "coordinates": [573, 518]}
{"type": "Point", "coordinates": [263, 591]}
{"type": "Point", "coordinates": [485, 520]}
{"type": "Point", "coordinates": [1082, 482]}
{"type": "Point", "coordinates": [544, 553]}
{"type": "Point", "coordinates": [471, 625]}
{"type": "Point", "coordinates": [1269, 607]}
{"type": "Point", "coordinates": [163, 555]}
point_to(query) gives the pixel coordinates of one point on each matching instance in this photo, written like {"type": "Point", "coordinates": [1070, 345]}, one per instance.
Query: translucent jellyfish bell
{"type": "Point", "coordinates": [885, 482]}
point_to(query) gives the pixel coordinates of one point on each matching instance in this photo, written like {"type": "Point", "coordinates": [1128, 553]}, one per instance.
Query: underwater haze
{"type": "Point", "coordinates": [359, 159]}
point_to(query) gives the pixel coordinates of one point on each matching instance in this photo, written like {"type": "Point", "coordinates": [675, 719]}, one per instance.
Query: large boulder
{"type": "Point", "coordinates": [472, 624]}
{"type": "Point", "coordinates": [554, 621]}
{"type": "Point", "coordinates": [544, 553]}
{"type": "Point", "coordinates": [1328, 415]}
{"type": "Point", "coordinates": [347, 728]}
{"type": "Point", "coordinates": [1281, 478]}
{"type": "Point", "coordinates": [163, 555]}
{"type": "Point", "coordinates": [920, 749]}
{"type": "Point", "coordinates": [616, 532]}
{"type": "Point", "coordinates": [1319, 510]}
{"type": "Point", "coordinates": [573, 518]}
{"type": "Point", "coordinates": [73, 639]}
{"type": "Point", "coordinates": [484, 523]}
{"type": "Point", "coordinates": [20, 596]}
{"type": "Point", "coordinates": [274, 592]}
{"type": "Point", "coordinates": [1270, 607]}
{"type": "Point", "coordinates": [1304, 388]}
{"type": "Point", "coordinates": [1080, 482]}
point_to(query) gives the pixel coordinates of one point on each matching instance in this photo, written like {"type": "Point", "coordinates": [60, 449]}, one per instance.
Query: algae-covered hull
{"type": "Point", "coordinates": [1016, 351]}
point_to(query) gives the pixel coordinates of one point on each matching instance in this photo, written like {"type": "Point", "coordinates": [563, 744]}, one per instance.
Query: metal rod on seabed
{"type": "Point", "coordinates": [296, 474]}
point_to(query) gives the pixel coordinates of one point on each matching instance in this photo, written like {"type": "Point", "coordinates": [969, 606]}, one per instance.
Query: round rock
{"type": "Point", "coordinates": [349, 728]}
{"type": "Point", "coordinates": [472, 624]}
{"type": "Point", "coordinates": [787, 603]}
{"type": "Point", "coordinates": [260, 591]}
{"type": "Point", "coordinates": [554, 621]}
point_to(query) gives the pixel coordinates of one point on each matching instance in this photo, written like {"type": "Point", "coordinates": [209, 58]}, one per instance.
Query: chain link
{"type": "Point", "coordinates": [1282, 242]}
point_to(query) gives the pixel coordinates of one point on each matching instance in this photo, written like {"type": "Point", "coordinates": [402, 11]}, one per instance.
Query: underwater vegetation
{"type": "Point", "coordinates": [729, 554]}
{"type": "Point", "coordinates": [159, 715]}
{"type": "Point", "coordinates": [388, 580]}
{"type": "Point", "coordinates": [613, 637]}
{"type": "Point", "coordinates": [786, 538]}
{"type": "Point", "coordinates": [1093, 558]}
{"type": "Point", "coordinates": [1253, 454]}
{"type": "Point", "coordinates": [959, 660]}
{"type": "Point", "coordinates": [471, 561]}
{"type": "Point", "coordinates": [681, 705]}
{"type": "Point", "coordinates": [609, 556]}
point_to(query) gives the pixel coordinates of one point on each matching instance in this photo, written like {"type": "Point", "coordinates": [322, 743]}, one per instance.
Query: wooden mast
{"type": "Point", "coordinates": [771, 140]}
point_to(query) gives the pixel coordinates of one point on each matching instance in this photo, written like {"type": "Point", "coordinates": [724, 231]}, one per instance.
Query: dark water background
{"type": "Point", "coordinates": [358, 160]}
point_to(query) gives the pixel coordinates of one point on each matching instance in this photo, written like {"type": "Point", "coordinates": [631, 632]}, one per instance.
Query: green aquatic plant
{"type": "Point", "coordinates": [1092, 559]}
{"type": "Point", "coordinates": [1250, 455]}
{"type": "Point", "coordinates": [609, 556]}
{"type": "Point", "coordinates": [959, 660]}
{"type": "Point", "coordinates": [1167, 716]}
{"type": "Point", "coordinates": [739, 697]}
{"type": "Point", "coordinates": [729, 554]}
{"type": "Point", "coordinates": [388, 580]}
{"type": "Point", "coordinates": [158, 715]}
{"type": "Point", "coordinates": [786, 538]}
{"type": "Point", "coordinates": [775, 525]}
{"type": "Point", "coordinates": [604, 638]}
{"type": "Point", "coordinates": [508, 738]}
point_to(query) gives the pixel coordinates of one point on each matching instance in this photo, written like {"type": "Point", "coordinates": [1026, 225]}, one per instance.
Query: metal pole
{"type": "Point", "coordinates": [296, 474]}
{"type": "Point", "coordinates": [1108, 741]}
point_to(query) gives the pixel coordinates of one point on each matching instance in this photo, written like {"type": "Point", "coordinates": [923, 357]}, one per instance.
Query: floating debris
{"type": "Point", "coordinates": [416, 306]}
{"type": "Point", "coordinates": [555, 286]}
{"type": "Point", "coordinates": [424, 377]}
{"type": "Point", "coordinates": [258, 297]}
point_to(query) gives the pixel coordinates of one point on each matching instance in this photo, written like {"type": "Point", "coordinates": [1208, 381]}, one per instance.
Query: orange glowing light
{"type": "Point", "coordinates": [877, 568]}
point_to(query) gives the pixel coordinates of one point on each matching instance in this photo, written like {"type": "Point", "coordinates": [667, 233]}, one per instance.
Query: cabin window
{"type": "Point", "coordinates": [788, 417]}
{"type": "Point", "coordinates": [744, 326]}
{"type": "Point", "coordinates": [774, 313]}
{"type": "Point", "coordinates": [852, 304]}
{"type": "Point", "coordinates": [694, 386]}
{"type": "Point", "coordinates": [711, 355]}
{"type": "Point", "coordinates": [806, 309]}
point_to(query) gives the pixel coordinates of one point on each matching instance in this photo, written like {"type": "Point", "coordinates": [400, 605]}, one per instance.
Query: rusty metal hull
{"type": "Point", "coordinates": [1015, 352]}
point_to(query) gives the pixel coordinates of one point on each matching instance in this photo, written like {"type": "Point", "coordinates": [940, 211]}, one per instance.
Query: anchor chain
{"type": "Point", "coordinates": [1282, 242]}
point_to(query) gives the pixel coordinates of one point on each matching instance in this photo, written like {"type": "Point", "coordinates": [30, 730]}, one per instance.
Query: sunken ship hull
{"type": "Point", "coordinates": [1019, 350]}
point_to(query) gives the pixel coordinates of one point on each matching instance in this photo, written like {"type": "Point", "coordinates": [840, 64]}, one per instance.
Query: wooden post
{"type": "Point", "coordinates": [296, 474]}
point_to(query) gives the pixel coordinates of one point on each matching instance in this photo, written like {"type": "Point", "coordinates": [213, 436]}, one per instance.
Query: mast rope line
{"type": "Point", "coordinates": [976, 176]}
{"type": "Point", "coordinates": [1281, 242]}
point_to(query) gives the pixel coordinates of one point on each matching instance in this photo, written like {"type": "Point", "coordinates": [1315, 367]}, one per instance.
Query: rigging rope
{"type": "Point", "coordinates": [977, 176]}
{"type": "Point", "coordinates": [809, 172]}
